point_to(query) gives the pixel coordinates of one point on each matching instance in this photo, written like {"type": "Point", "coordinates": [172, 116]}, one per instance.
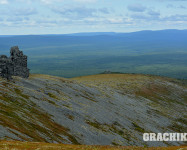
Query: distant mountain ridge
{"type": "Point", "coordinates": [161, 52]}
{"type": "Point", "coordinates": [102, 33]}
{"type": "Point", "coordinates": [51, 39]}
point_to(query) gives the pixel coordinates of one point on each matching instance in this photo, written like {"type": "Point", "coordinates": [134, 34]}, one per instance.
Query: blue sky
{"type": "Point", "coordinates": [73, 16]}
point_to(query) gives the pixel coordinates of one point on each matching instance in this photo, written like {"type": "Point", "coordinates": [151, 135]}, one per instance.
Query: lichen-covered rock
{"type": "Point", "coordinates": [15, 65]}
{"type": "Point", "coordinates": [112, 109]}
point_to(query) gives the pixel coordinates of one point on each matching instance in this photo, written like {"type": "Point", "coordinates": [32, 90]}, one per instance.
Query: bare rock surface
{"type": "Point", "coordinates": [94, 110]}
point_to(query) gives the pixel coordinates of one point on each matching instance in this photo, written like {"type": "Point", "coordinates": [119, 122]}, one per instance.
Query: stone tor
{"type": "Point", "coordinates": [15, 65]}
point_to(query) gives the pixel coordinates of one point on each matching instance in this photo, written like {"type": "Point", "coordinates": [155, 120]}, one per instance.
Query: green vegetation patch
{"type": "Point", "coordinates": [19, 92]}
{"type": "Point", "coordinates": [95, 124]}
{"type": "Point", "coordinates": [114, 128]}
{"type": "Point", "coordinates": [52, 96]}
{"type": "Point", "coordinates": [138, 128]}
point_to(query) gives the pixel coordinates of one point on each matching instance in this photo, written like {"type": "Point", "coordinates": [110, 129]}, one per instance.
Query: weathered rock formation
{"type": "Point", "coordinates": [15, 65]}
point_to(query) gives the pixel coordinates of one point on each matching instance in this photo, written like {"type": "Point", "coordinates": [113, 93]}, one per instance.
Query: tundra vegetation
{"type": "Point", "coordinates": [103, 109]}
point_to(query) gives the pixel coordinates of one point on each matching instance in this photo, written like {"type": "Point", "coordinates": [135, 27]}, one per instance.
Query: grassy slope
{"type": "Point", "coordinates": [21, 113]}
{"type": "Point", "coordinates": [6, 145]}
{"type": "Point", "coordinates": [138, 84]}
{"type": "Point", "coordinates": [162, 91]}
{"type": "Point", "coordinates": [156, 88]}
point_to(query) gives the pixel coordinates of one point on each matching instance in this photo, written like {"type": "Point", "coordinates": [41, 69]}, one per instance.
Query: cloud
{"type": "Point", "coordinates": [172, 6]}
{"type": "Point", "coordinates": [50, 1]}
{"type": "Point", "coordinates": [136, 8]}
{"type": "Point", "coordinates": [175, 18]}
{"type": "Point", "coordinates": [75, 12]}
{"type": "Point", "coordinates": [79, 12]}
{"type": "Point", "coordinates": [87, 1]}
{"type": "Point", "coordinates": [170, 0]}
{"type": "Point", "coordinates": [178, 0]}
{"type": "Point", "coordinates": [17, 12]}
{"type": "Point", "coordinates": [119, 20]}
{"type": "Point", "coordinates": [153, 16]}
{"type": "Point", "coordinates": [183, 7]}
{"type": "Point", "coordinates": [3, 1]}
{"type": "Point", "coordinates": [138, 16]}
{"type": "Point", "coordinates": [104, 10]}
{"type": "Point", "coordinates": [46, 21]}
{"type": "Point", "coordinates": [55, 1]}
{"type": "Point", "coordinates": [25, 11]}
{"type": "Point", "coordinates": [18, 21]}
{"type": "Point", "coordinates": [15, 19]}
{"type": "Point", "coordinates": [153, 13]}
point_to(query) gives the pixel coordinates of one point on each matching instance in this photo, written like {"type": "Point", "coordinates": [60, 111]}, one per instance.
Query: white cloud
{"type": "Point", "coordinates": [136, 8]}
{"type": "Point", "coordinates": [25, 11]}
{"type": "Point", "coordinates": [54, 1]}
{"type": "Point", "coordinates": [50, 1]}
{"type": "Point", "coordinates": [116, 20]}
{"type": "Point", "coordinates": [154, 13]}
{"type": "Point", "coordinates": [179, 7]}
{"type": "Point", "coordinates": [89, 1]}
{"type": "Point", "coordinates": [3, 2]}
{"type": "Point", "coordinates": [175, 18]}
{"type": "Point", "coordinates": [79, 12]}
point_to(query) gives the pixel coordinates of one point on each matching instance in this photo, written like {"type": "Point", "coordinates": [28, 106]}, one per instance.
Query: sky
{"type": "Point", "coordinates": [22, 17]}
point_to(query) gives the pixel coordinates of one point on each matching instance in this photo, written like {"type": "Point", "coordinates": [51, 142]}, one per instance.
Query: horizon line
{"type": "Point", "coordinates": [87, 32]}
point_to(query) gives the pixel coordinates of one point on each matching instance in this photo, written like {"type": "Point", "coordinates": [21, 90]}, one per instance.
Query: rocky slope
{"type": "Point", "coordinates": [107, 109]}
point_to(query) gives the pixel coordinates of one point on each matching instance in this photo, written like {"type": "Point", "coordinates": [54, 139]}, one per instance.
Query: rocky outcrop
{"type": "Point", "coordinates": [15, 65]}
{"type": "Point", "coordinates": [112, 109]}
